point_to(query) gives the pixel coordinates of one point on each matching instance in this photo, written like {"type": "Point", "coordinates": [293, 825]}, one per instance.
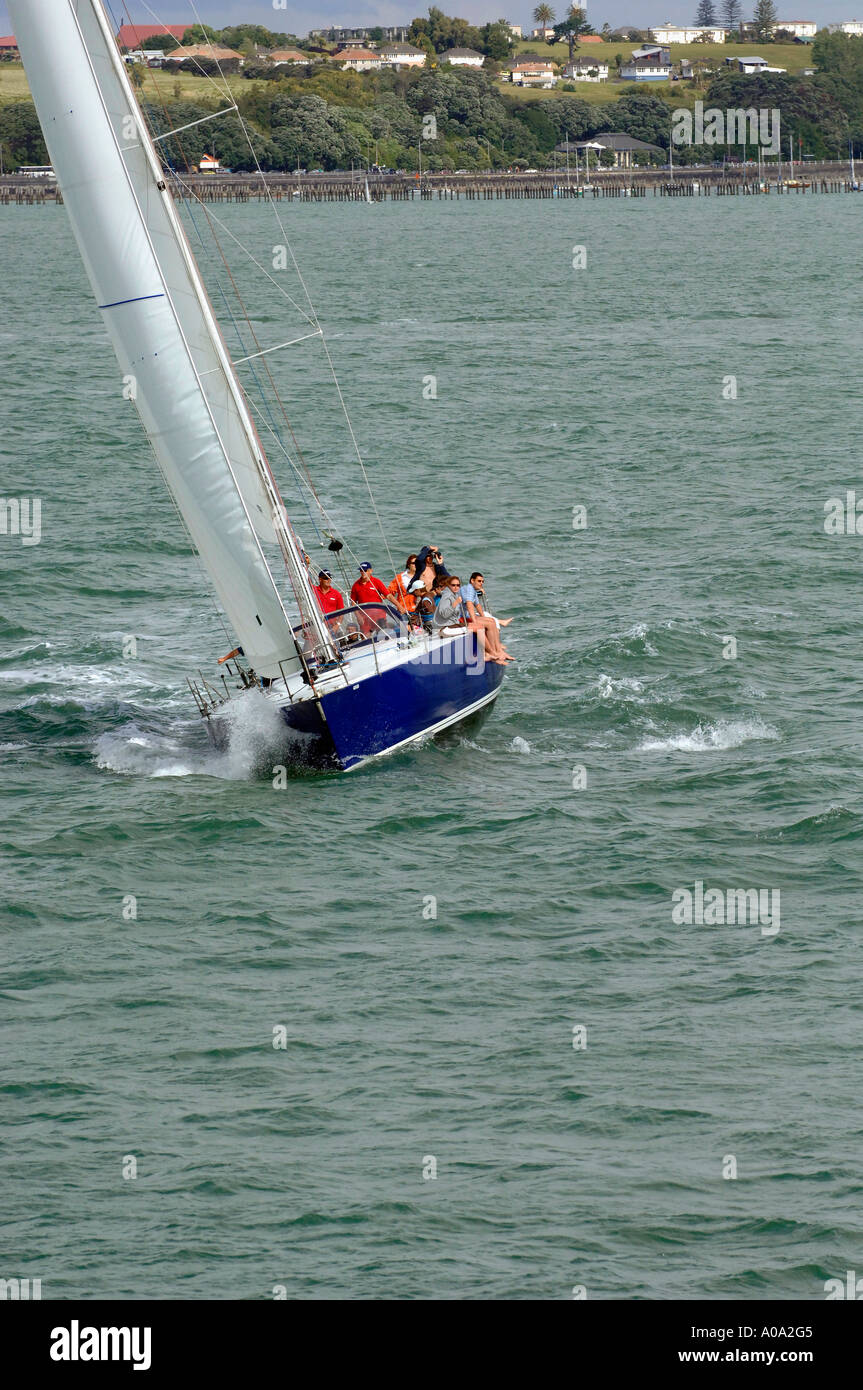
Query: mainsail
{"type": "Point", "coordinates": [173, 358]}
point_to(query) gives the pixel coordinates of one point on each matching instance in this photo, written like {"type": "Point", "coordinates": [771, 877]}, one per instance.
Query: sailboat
{"type": "Point", "coordinates": [854, 184]}
{"type": "Point", "coordinates": [349, 686]}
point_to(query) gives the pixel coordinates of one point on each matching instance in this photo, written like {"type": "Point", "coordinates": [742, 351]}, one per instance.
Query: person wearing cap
{"type": "Point", "coordinates": [367, 589]}
{"type": "Point", "coordinates": [429, 566]}
{"type": "Point", "coordinates": [328, 596]}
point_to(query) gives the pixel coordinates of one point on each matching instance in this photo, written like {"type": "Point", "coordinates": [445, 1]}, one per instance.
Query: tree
{"type": "Point", "coordinates": [731, 13]}
{"type": "Point", "coordinates": [497, 40]}
{"type": "Point", "coordinates": [166, 42]}
{"type": "Point", "coordinates": [137, 73]}
{"type": "Point", "coordinates": [21, 134]}
{"type": "Point", "coordinates": [764, 20]}
{"type": "Point", "coordinates": [200, 33]}
{"type": "Point", "coordinates": [570, 29]}
{"type": "Point", "coordinates": [544, 15]}
{"type": "Point", "coordinates": [705, 15]}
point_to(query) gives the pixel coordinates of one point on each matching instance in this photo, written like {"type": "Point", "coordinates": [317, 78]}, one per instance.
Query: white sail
{"type": "Point", "coordinates": [156, 311]}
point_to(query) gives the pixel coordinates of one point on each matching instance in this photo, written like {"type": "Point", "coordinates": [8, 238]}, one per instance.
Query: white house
{"type": "Point", "coordinates": [530, 71]}
{"type": "Point", "coordinates": [515, 30]}
{"type": "Point", "coordinates": [674, 33]}
{"type": "Point", "coordinates": [152, 57]}
{"type": "Point", "coordinates": [800, 28]}
{"type": "Point", "coordinates": [357, 59]}
{"type": "Point", "coordinates": [586, 70]}
{"type": "Point", "coordinates": [280, 56]}
{"type": "Point", "coordinates": [463, 57]}
{"type": "Point", "coordinates": [852, 26]}
{"type": "Point", "coordinates": [401, 55]}
{"type": "Point", "coordinates": [755, 65]}
{"type": "Point", "coordinates": [542, 34]}
{"type": "Point", "coordinates": [648, 64]}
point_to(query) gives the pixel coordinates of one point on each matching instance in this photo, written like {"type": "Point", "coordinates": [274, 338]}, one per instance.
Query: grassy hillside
{"type": "Point", "coordinates": [792, 56]}
{"type": "Point", "coordinates": [158, 85]}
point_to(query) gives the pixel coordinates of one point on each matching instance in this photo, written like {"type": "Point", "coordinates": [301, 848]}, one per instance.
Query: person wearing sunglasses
{"type": "Point", "coordinates": [473, 597]}
{"type": "Point", "coordinates": [450, 609]}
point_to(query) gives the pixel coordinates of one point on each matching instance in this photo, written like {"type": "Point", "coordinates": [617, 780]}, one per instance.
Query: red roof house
{"type": "Point", "coordinates": [134, 35]}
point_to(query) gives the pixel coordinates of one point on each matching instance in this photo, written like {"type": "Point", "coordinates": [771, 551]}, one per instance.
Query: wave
{"type": "Point", "coordinates": [258, 742]}
{"type": "Point", "coordinates": [711, 737]}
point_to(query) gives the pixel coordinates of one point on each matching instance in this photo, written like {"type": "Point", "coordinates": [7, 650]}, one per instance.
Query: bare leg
{"type": "Point", "coordinates": [496, 649]}
{"type": "Point", "coordinates": [487, 653]}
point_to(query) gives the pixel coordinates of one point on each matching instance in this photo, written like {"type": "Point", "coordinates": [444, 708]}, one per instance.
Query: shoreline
{"type": "Point", "coordinates": [823, 176]}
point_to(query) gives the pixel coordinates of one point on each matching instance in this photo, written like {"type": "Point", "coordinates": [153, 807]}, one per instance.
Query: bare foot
{"type": "Point", "coordinates": [504, 622]}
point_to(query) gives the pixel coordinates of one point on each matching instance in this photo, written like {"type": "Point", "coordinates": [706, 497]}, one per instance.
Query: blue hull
{"type": "Point", "coordinates": [357, 722]}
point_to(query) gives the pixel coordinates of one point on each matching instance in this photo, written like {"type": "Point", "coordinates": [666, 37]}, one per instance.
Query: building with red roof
{"type": "Point", "coordinates": [134, 35]}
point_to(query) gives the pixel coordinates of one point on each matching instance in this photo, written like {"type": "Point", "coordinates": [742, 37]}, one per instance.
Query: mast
{"type": "Point", "coordinates": [176, 365]}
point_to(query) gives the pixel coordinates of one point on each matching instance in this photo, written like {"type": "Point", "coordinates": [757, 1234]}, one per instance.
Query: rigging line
{"type": "Point", "coordinates": [330, 363]}
{"type": "Point", "coordinates": [164, 28]}
{"type": "Point", "coordinates": [249, 401]}
{"type": "Point", "coordinates": [297, 599]}
{"type": "Point", "coordinates": [266, 351]}
{"type": "Point", "coordinates": [241, 361]}
{"type": "Point", "coordinates": [193, 197]}
{"type": "Point", "coordinates": [180, 128]}
{"type": "Point", "coordinates": [266, 366]}
{"type": "Point", "coordinates": [324, 513]}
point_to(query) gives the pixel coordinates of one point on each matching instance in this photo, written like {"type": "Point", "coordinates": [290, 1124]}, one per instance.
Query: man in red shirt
{"type": "Point", "coordinates": [329, 598]}
{"type": "Point", "coordinates": [368, 589]}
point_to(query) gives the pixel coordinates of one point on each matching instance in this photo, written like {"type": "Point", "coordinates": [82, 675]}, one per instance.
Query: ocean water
{"type": "Point", "coordinates": [429, 931]}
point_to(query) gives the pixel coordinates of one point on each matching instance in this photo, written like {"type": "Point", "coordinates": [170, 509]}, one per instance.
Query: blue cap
{"type": "Point", "coordinates": [323, 573]}
{"type": "Point", "coordinates": [365, 565]}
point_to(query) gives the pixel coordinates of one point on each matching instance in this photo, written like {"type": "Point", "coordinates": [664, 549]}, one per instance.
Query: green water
{"type": "Point", "coordinates": [411, 1035]}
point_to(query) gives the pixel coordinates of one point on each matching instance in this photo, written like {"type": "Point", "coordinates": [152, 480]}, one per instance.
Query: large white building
{"type": "Point", "coordinates": [852, 26]}
{"type": "Point", "coordinates": [675, 33]}
{"type": "Point", "coordinates": [462, 57]}
{"type": "Point", "coordinates": [528, 70]}
{"type": "Point", "coordinates": [800, 28]}
{"type": "Point", "coordinates": [401, 55]}
{"type": "Point", "coordinates": [648, 64]}
{"type": "Point", "coordinates": [586, 70]}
